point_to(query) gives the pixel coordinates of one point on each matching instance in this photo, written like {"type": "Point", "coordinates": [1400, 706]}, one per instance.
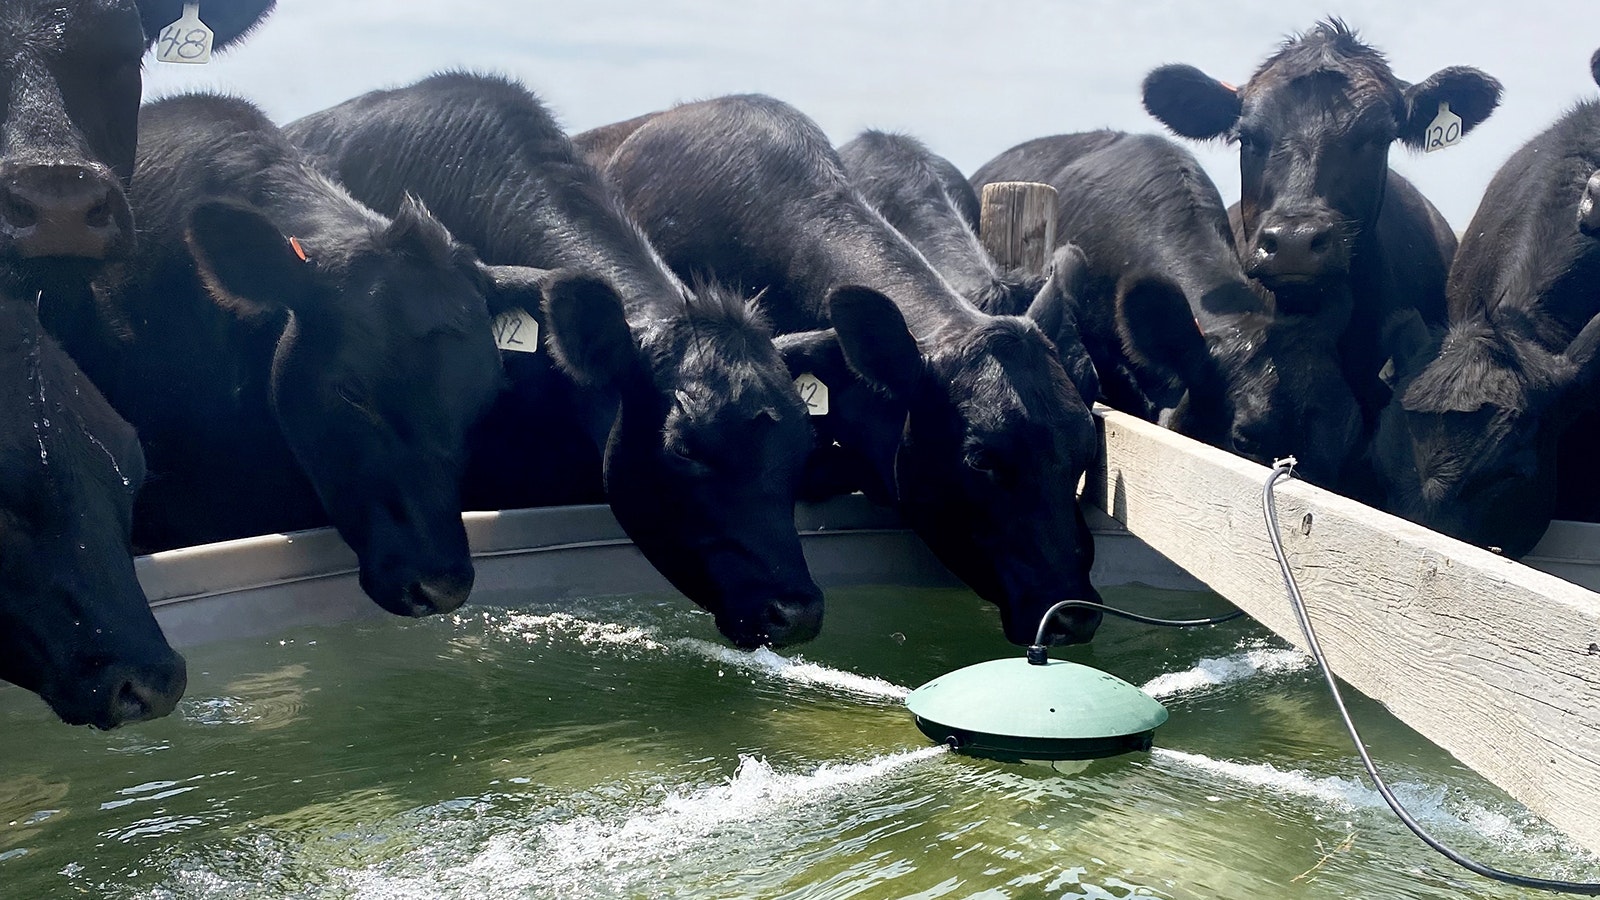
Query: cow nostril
{"type": "Point", "coordinates": [131, 704]}
{"type": "Point", "coordinates": [792, 621]}
{"type": "Point", "coordinates": [99, 215]}
{"type": "Point", "coordinates": [1269, 242]}
{"type": "Point", "coordinates": [1321, 242]}
{"type": "Point", "coordinates": [18, 212]}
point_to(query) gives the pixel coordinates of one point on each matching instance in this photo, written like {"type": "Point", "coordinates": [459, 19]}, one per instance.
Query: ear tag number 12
{"type": "Point", "coordinates": [187, 40]}
{"type": "Point", "coordinates": [1444, 131]}
{"type": "Point", "coordinates": [813, 393]}
{"type": "Point", "coordinates": [517, 331]}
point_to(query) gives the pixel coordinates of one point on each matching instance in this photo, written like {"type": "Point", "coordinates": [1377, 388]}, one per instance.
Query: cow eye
{"type": "Point", "coordinates": [1253, 142]}
{"type": "Point", "coordinates": [981, 461]}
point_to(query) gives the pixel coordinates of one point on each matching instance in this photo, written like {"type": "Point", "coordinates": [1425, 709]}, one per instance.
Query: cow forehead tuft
{"type": "Point", "coordinates": [1329, 50]}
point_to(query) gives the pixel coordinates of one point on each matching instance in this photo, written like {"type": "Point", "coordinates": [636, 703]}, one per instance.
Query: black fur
{"type": "Point", "coordinates": [1151, 225]}
{"type": "Point", "coordinates": [1493, 431]}
{"type": "Point", "coordinates": [75, 626]}
{"type": "Point", "coordinates": [274, 392]}
{"type": "Point", "coordinates": [748, 190]}
{"type": "Point", "coordinates": [70, 72]}
{"type": "Point", "coordinates": [702, 433]}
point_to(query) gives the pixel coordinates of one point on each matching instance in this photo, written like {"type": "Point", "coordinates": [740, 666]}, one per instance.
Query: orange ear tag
{"type": "Point", "coordinates": [298, 250]}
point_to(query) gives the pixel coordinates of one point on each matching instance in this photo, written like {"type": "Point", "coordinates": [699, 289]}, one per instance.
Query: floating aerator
{"type": "Point", "coordinates": [1036, 708]}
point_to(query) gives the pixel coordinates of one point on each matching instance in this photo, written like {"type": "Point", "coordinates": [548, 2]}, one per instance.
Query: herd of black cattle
{"type": "Point", "coordinates": [431, 298]}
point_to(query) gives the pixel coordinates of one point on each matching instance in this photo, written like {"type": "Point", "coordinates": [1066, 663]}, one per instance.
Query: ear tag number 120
{"type": "Point", "coordinates": [187, 40]}
{"type": "Point", "coordinates": [1444, 131]}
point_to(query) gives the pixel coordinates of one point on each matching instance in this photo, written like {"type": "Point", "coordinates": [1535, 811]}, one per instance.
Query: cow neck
{"type": "Point", "coordinates": [857, 246]}
{"type": "Point", "coordinates": [321, 215]}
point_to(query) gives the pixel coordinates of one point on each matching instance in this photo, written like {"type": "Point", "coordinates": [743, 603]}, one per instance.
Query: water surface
{"type": "Point", "coordinates": [616, 749]}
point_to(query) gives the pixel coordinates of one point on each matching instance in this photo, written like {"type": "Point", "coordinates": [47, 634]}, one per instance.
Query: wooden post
{"type": "Point", "coordinates": [1018, 224]}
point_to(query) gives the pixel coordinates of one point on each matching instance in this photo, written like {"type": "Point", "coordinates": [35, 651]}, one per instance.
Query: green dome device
{"type": "Point", "coordinates": [1036, 708]}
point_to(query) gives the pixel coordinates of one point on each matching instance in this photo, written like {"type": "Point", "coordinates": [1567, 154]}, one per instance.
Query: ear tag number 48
{"type": "Point", "coordinates": [1444, 131]}
{"type": "Point", "coordinates": [187, 40]}
{"type": "Point", "coordinates": [813, 393]}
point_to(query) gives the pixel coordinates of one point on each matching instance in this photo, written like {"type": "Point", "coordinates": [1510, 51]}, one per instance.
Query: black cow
{"type": "Point", "coordinates": [927, 199]}
{"type": "Point", "coordinates": [1323, 222]}
{"type": "Point", "coordinates": [292, 358]}
{"type": "Point", "coordinates": [703, 435]}
{"type": "Point", "coordinates": [75, 626]}
{"type": "Point", "coordinates": [749, 190]}
{"type": "Point", "coordinates": [70, 71]}
{"type": "Point", "coordinates": [1164, 302]}
{"type": "Point", "coordinates": [1493, 431]}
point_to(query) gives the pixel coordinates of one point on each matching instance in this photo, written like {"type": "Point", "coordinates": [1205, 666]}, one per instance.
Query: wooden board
{"type": "Point", "coordinates": [1496, 662]}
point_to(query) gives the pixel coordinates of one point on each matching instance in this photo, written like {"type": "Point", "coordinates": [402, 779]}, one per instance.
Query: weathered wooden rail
{"type": "Point", "coordinates": [1496, 662]}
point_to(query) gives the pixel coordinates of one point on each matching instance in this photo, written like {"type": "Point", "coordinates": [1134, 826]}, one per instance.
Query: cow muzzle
{"type": "Point", "coordinates": [1301, 251]}
{"type": "Point", "coordinates": [1589, 207]}
{"type": "Point", "coordinates": [73, 211]}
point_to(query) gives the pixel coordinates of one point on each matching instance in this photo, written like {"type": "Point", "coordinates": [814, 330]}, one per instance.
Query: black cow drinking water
{"type": "Point", "coordinates": [75, 626]}
{"type": "Point", "coordinates": [1163, 300]}
{"type": "Point", "coordinates": [70, 71]}
{"type": "Point", "coordinates": [292, 358]}
{"type": "Point", "coordinates": [1493, 432]}
{"type": "Point", "coordinates": [703, 436]}
{"type": "Point", "coordinates": [1323, 222]}
{"type": "Point", "coordinates": [996, 437]}
{"type": "Point", "coordinates": [926, 198]}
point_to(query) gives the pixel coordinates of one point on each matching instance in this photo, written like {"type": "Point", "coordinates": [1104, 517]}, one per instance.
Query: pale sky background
{"type": "Point", "coordinates": [970, 78]}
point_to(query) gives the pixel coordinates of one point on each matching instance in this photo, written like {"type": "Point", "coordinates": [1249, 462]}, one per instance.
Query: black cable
{"type": "Point", "coordinates": [1269, 509]}
{"type": "Point", "coordinates": [1137, 617]}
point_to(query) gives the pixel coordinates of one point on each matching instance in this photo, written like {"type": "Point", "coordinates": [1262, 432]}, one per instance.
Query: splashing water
{"type": "Point", "coordinates": [762, 661]}
{"type": "Point", "coordinates": [593, 855]}
{"type": "Point", "coordinates": [1215, 671]}
{"type": "Point", "coordinates": [797, 670]}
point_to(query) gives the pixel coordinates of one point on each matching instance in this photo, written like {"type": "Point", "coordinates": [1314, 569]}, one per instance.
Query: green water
{"type": "Point", "coordinates": [612, 749]}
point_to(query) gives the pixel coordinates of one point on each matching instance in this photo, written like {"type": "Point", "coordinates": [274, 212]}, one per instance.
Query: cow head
{"type": "Point", "coordinates": [386, 360]}
{"type": "Point", "coordinates": [856, 439]}
{"type": "Point", "coordinates": [1261, 386]}
{"type": "Point", "coordinates": [75, 626]}
{"type": "Point", "coordinates": [70, 71]}
{"type": "Point", "coordinates": [995, 442]}
{"type": "Point", "coordinates": [1314, 125]}
{"type": "Point", "coordinates": [1468, 447]}
{"type": "Point", "coordinates": [707, 452]}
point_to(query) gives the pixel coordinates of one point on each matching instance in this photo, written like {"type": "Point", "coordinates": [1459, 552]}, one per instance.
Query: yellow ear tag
{"type": "Point", "coordinates": [813, 393]}
{"type": "Point", "coordinates": [298, 250]}
{"type": "Point", "coordinates": [187, 40]}
{"type": "Point", "coordinates": [1445, 130]}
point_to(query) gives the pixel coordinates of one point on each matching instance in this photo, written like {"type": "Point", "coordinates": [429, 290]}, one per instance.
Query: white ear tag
{"type": "Point", "coordinates": [1445, 130]}
{"type": "Point", "coordinates": [187, 40]}
{"type": "Point", "coordinates": [813, 393]}
{"type": "Point", "coordinates": [516, 330]}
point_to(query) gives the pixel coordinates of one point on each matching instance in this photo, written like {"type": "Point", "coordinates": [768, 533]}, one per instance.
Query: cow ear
{"type": "Point", "coordinates": [816, 352]}
{"type": "Point", "coordinates": [1472, 95]}
{"type": "Point", "coordinates": [229, 20]}
{"type": "Point", "coordinates": [1158, 330]}
{"type": "Point", "coordinates": [1594, 66]}
{"type": "Point", "coordinates": [1584, 354]}
{"type": "Point", "coordinates": [245, 262]}
{"type": "Point", "coordinates": [877, 344]}
{"type": "Point", "coordinates": [506, 288]}
{"type": "Point", "coordinates": [588, 333]}
{"type": "Point", "coordinates": [1408, 344]}
{"type": "Point", "coordinates": [1056, 310]}
{"type": "Point", "coordinates": [1190, 102]}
